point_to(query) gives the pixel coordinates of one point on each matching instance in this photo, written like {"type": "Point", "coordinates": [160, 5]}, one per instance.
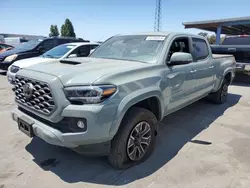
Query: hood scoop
{"type": "Point", "coordinates": [70, 62]}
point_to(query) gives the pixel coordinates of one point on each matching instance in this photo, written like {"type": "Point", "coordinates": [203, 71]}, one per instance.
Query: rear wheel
{"type": "Point", "coordinates": [135, 140]}
{"type": "Point", "coordinates": [220, 96]}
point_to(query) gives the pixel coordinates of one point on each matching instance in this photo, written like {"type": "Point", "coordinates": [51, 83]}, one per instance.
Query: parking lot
{"type": "Point", "coordinates": [203, 145]}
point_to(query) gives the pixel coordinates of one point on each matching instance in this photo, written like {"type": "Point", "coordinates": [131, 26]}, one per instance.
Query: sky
{"type": "Point", "coordinates": [99, 19]}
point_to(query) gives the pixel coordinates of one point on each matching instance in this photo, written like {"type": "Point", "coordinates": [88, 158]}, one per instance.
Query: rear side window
{"type": "Point", "coordinates": [82, 51]}
{"type": "Point", "coordinates": [237, 40]}
{"type": "Point", "coordinates": [200, 49]}
{"type": "Point", "coordinates": [48, 44]}
{"type": "Point", "coordinates": [93, 46]}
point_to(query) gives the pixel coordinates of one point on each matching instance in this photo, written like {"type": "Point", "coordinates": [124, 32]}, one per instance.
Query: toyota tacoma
{"type": "Point", "coordinates": [110, 103]}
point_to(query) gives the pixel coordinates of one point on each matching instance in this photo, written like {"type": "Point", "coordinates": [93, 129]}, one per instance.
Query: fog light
{"type": "Point", "coordinates": [80, 124]}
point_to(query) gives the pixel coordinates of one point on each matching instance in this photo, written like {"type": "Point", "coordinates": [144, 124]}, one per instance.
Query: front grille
{"type": "Point", "coordinates": [34, 94]}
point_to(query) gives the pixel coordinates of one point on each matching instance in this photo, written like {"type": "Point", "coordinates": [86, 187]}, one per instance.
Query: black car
{"type": "Point", "coordinates": [33, 48]}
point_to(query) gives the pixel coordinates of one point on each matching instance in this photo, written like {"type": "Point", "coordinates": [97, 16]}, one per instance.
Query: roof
{"type": "Point", "coordinates": [229, 26]}
{"type": "Point", "coordinates": [81, 43]}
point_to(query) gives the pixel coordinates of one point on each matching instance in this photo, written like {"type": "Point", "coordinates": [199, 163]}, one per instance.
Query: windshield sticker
{"type": "Point", "coordinates": [157, 38]}
{"type": "Point", "coordinates": [70, 47]}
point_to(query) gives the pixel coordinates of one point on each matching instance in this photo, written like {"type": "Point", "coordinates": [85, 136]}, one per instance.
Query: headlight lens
{"type": "Point", "coordinates": [89, 94]}
{"type": "Point", "coordinates": [14, 69]}
{"type": "Point", "coordinates": [10, 58]}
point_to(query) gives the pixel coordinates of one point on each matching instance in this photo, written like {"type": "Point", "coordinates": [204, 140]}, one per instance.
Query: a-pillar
{"type": "Point", "coordinates": [218, 32]}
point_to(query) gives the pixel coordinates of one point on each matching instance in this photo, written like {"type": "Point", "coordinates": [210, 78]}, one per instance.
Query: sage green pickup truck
{"type": "Point", "coordinates": [110, 103]}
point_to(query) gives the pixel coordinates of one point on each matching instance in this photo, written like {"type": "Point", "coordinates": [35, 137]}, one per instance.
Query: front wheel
{"type": "Point", "coordinates": [135, 140]}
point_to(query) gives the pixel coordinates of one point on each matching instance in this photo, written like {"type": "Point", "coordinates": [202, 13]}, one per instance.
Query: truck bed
{"type": "Point", "coordinates": [217, 56]}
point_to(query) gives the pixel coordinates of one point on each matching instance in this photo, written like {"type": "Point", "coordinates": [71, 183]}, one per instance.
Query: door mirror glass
{"type": "Point", "coordinates": [72, 55]}
{"type": "Point", "coordinates": [180, 58]}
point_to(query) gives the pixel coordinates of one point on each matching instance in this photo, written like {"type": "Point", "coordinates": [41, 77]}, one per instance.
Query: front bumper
{"type": "Point", "coordinates": [90, 141]}
{"type": "Point", "coordinates": [5, 65]}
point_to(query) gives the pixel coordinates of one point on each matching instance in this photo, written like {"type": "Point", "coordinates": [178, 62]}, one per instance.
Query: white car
{"type": "Point", "coordinates": [68, 50]}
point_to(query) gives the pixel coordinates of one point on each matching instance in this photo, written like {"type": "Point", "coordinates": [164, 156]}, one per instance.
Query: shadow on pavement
{"type": "Point", "coordinates": [177, 129]}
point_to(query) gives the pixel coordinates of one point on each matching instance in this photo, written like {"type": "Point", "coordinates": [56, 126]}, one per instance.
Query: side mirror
{"type": "Point", "coordinates": [72, 55]}
{"type": "Point", "coordinates": [180, 58]}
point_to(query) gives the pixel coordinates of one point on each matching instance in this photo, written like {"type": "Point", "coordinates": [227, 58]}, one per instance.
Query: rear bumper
{"type": "Point", "coordinates": [242, 72]}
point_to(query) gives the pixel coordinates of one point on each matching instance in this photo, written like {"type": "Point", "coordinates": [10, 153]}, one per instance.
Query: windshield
{"type": "Point", "coordinates": [236, 41]}
{"type": "Point", "coordinates": [58, 51]}
{"type": "Point", "coordinates": [132, 48]}
{"type": "Point", "coordinates": [29, 45]}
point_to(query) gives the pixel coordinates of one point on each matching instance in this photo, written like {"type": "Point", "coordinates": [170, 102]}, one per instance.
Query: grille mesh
{"type": "Point", "coordinates": [41, 99]}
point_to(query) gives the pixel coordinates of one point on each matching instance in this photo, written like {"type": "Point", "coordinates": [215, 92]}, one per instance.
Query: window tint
{"type": "Point", "coordinates": [178, 45]}
{"type": "Point", "coordinates": [93, 46]}
{"type": "Point", "coordinates": [48, 44]}
{"type": "Point", "coordinates": [63, 41]}
{"type": "Point", "coordinates": [200, 49]}
{"type": "Point", "coordinates": [236, 41]}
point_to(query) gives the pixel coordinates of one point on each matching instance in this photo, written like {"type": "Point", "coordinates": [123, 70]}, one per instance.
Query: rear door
{"type": "Point", "coordinates": [204, 67]}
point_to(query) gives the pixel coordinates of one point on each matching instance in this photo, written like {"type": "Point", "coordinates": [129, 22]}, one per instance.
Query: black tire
{"type": "Point", "coordinates": [118, 157]}
{"type": "Point", "coordinates": [220, 96]}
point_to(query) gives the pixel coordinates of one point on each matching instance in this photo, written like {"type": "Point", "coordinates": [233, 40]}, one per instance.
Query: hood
{"type": "Point", "coordinates": [78, 71]}
{"type": "Point", "coordinates": [11, 52]}
{"type": "Point", "coordinates": [31, 61]}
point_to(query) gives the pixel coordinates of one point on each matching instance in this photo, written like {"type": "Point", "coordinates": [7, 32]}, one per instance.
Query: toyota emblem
{"type": "Point", "coordinates": [28, 90]}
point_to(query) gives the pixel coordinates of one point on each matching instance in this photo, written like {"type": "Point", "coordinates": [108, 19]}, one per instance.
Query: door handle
{"type": "Point", "coordinates": [211, 67]}
{"type": "Point", "coordinates": [231, 49]}
{"type": "Point", "coordinates": [193, 71]}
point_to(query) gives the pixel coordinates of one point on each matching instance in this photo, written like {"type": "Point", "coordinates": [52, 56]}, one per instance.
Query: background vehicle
{"type": "Point", "coordinates": [111, 102]}
{"type": "Point", "coordinates": [5, 47]}
{"type": "Point", "coordinates": [68, 50]}
{"type": "Point", "coordinates": [33, 48]}
{"type": "Point", "coordinates": [239, 46]}
{"type": "Point", "coordinates": [15, 41]}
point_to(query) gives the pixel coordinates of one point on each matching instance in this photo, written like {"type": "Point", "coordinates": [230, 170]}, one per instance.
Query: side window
{"type": "Point", "coordinates": [48, 44]}
{"type": "Point", "coordinates": [93, 46]}
{"type": "Point", "coordinates": [62, 41]}
{"type": "Point", "coordinates": [200, 49]}
{"type": "Point", "coordinates": [82, 51]}
{"type": "Point", "coordinates": [178, 45]}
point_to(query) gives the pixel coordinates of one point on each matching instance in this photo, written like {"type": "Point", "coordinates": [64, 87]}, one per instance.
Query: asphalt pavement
{"type": "Point", "coordinates": [202, 146]}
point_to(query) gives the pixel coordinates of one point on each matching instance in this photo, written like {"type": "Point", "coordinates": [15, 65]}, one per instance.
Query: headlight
{"type": "Point", "coordinates": [10, 58]}
{"type": "Point", "coordinates": [89, 94]}
{"type": "Point", "coordinates": [14, 69]}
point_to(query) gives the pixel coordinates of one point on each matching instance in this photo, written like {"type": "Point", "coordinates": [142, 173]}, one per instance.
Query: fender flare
{"type": "Point", "coordinates": [131, 100]}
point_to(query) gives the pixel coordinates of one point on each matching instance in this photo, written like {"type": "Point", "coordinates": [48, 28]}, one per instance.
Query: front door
{"type": "Point", "coordinates": [180, 78]}
{"type": "Point", "coordinates": [204, 67]}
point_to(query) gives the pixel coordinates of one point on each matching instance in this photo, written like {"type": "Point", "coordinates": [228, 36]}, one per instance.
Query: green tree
{"type": "Point", "coordinates": [67, 29]}
{"type": "Point", "coordinates": [54, 31]}
{"type": "Point", "coordinates": [212, 39]}
{"type": "Point", "coordinates": [204, 34]}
